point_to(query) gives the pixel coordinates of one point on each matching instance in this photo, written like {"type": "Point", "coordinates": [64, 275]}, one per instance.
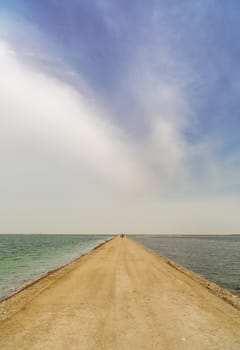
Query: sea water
{"type": "Point", "coordinates": [24, 258]}
{"type": "Point", "coordinates": [216, 258]}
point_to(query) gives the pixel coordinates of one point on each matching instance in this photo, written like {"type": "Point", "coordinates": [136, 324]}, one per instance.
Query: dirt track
{"type": "Point", "coordinates": [119, 296]}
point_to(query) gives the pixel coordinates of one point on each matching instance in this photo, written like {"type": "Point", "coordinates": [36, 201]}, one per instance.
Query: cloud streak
{"type": "Point", "coordinates": [58, 118]}
{"type": "Point", "coordinates": [119, 145]}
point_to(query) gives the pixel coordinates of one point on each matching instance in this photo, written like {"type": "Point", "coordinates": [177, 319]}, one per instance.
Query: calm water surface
{"type": "Point", "coordinates": [23, 258]}
{"type": "Point", "coordinates": [216, 258]}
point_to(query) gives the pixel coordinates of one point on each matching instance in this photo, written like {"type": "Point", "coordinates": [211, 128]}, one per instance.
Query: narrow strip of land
{"type": "Point", "coordinates": [119, 296]}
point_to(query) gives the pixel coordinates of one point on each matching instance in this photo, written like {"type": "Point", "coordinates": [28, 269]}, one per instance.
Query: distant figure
{"type": "Point", "coordinates": [122, 235]}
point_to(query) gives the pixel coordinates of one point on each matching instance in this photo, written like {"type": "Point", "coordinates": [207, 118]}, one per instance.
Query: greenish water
{"type": "Point", "coordinates": [24, 258]}
{"type": "Point", "coordinates": [216, 258]}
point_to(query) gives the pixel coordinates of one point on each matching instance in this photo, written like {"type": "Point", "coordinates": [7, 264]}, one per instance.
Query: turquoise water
{"type": "Point", "coordinates": [216, 258]}
{"type": "Point", "coordinates": [24, 258]}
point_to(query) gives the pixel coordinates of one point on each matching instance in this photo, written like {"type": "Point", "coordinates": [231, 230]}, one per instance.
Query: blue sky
{"type": "Point", "coordinates": [121, 107]}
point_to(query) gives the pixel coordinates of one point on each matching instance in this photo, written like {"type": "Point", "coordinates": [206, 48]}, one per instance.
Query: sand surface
{"type": "Point", "coordinates": [119, 296]}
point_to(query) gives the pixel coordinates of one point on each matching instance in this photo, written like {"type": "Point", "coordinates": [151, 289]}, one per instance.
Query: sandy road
{"type": "Point", "coordinates": [119, 296]}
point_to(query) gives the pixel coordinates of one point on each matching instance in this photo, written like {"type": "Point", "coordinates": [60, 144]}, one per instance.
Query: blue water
{"type": "Point", "coordinates": [24, 258]}
{"type": "Point", "coordinates": [216, 258]}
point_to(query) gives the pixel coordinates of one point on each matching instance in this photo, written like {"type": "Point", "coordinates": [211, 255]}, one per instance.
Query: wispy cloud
{"type": "Point", "coordinates": [59, 118]}
{"type": "Point", "coordinates": [133, 153]}
{"type": "Point", "coordinates": [76, 126]}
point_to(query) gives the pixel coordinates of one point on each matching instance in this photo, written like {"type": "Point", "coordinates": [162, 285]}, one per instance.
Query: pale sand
{"type": "Point", "coordinates": [119, 296]}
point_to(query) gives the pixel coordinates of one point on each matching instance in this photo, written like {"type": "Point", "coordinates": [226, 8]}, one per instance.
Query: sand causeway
{"type": "Point", "coordinates": [121, 296]}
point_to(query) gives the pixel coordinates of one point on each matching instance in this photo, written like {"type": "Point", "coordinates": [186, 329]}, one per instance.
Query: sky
{"type": "Point", "coordinates": [119, 116]}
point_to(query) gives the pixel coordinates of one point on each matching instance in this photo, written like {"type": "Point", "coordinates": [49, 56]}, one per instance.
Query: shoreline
{"type": "Point", "coordinates": [216, 289]}
{"type": "Point", "coordinates": [120, 295]}
{"type": "Point", "coordinates": [45, 277]}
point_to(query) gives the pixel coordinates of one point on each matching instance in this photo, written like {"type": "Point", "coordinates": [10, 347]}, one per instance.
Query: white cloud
{"type": "Point", "coordinates": [61, 120]}
{"type": "Point", "coordinates": [165, 111]}
{"type": "Point", "coordinates": [110, 181]}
